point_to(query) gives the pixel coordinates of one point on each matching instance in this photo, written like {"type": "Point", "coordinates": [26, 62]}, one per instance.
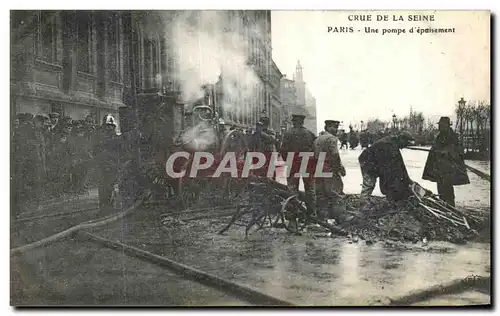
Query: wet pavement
{"type": "Point", "coordinates": [89, 275]}
{"type": "Point", "coordinates": [309, 269]}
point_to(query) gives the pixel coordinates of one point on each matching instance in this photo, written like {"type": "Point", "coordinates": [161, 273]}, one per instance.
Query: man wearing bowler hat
{"type": "Point", "coordinates": [328, 189]}
{"type": "Point", "coordinates": [445, 164]}
{"type": "Point", "coordinates": [299, 139]}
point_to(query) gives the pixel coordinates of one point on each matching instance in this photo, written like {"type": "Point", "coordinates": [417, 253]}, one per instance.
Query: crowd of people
{"type": "Point", "coordinates": [51, 156]}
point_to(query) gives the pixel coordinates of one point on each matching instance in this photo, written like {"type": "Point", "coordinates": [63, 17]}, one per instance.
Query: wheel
{"type": "Point", "coordinates": [293, 214]}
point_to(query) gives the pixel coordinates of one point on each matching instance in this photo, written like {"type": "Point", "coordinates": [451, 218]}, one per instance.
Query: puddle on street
{"type": "Point", "coordinates": [309, 271]}
{"type": "Point", "coordinates": [312, 271]}
{"type": "Point", "coordinates": [333, 272]}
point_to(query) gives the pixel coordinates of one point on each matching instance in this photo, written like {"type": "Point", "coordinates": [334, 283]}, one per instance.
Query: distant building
{"type": "Point", "coordinates": [297, 99]}
{"type": "Point", "coordinates": [288, 97]}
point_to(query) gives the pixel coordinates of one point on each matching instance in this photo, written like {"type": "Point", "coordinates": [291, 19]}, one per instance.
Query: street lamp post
{"type": "Point", "coordinates": [461, 112]}
{"type": "Point", "coordinates": [461, 106]}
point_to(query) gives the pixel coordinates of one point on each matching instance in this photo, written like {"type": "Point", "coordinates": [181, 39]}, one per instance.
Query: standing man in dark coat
{"type": "Point", "coordinates": [264, 141]}
{"type": "Point", "coordinates": [343, 140]}
{"type": "Point", "coordinates": [107, 159]}
{"type": "Point", "coordinates": [299, 139]}
{"type": "Point", "coordinates": [353, 138]}
{"type": "Point", "coordinates": [445, 164]}
{"type": "Point", "coordinates": [383, 160]}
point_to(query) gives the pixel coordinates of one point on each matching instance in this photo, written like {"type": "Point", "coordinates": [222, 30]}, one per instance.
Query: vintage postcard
{"type": "Point", "coordinates": [250, 158]}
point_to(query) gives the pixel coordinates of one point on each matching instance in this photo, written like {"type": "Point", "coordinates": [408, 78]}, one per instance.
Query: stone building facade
{"type": "Point", "coordinates": [85, 62]}
{"type": "Point", "coordinates": [277, 120]}
{"type": "Point", "coordinates": [69, 62]}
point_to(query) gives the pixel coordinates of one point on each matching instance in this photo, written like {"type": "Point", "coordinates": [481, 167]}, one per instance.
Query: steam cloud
{"type": "Point", "coordinates": [199, 138]}
{"type": "Point", "coordinates": [204, 45]}
{"type": "Point", "coordinates": [207, 43]}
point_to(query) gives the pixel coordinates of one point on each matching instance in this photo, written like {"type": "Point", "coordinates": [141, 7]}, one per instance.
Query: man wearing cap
{"type": "Point", "coordinates": [299, 139]}
{"type": "Point", "coordinates": [383, 160]}
{"type": "Point", "coordinates": [264, 141]}
{"type": "Point", "coordinates": [54, 127]}
{"type": "Point", "coordinates": [327, 142]}
{"type": "Point", "coordinates": [445, 164]}
{"type": "Point", "coordinates": [54, 119]}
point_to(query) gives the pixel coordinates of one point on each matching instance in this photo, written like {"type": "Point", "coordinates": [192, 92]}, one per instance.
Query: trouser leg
{"type": "Point", "coordinates": [446, 192]}
{"type": "Point", "coordinates": [337, 184]}
{"type": "Point", "coordinates": [310, 193]}
{"type": "Point", "coordinates": [368, 184]}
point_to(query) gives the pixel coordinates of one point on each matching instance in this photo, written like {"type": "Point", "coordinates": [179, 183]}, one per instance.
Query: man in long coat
{"type": "Point", "coordinates": [327, 142]}
{"type": "Point", "coordinates": [299, 139]}
{"type": "Point", "coordinates": [383, 160]}
{"type": "Point", "coordinates": [107, 155]}
{"type": "Point", "coordinates": [264, 141]}
{"type": "Point", "coordinates": [445, 163]}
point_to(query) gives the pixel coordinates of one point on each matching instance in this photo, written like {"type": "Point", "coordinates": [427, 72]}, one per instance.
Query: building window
{"type": "Point", "coordinates": [156, 62]}
{"type": "Point", "coordinates": [151, 62]}
{"type": "Point", "coordinates": [84, 29]}
{"type": "Point", "coordinates": [47, 36]}
{"type": "Point", "coordinates": [114, 60]}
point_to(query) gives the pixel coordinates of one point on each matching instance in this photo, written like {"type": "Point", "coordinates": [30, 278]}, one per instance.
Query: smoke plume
{"type": "Point", "coordinates": [207, 44]}
{"type": "Point", "coordinates": [204, 45]}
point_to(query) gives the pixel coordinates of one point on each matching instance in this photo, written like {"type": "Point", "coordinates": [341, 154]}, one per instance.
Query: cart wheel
{"type": "Point", "coordinates": [293, 215]}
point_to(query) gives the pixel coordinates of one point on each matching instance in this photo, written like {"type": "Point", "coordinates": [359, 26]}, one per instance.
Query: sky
{"type": "Point", "coordinates": [357, 76]}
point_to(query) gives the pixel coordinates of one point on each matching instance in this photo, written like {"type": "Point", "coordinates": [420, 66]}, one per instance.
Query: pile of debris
{"type": "Point", "coordinates": [416, 220]}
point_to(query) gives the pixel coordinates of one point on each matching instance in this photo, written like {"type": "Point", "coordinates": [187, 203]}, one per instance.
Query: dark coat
{"type": "Point", "coordinates": [383, 160]}
{"type": "Point", "coordinates": [263, 141]}
{"type": "Point", "coordinates": [445, 162]}
{"type": "Point", "coordinates": [296, 140]}
{"type": "Point", "coordinates": [107, 152]}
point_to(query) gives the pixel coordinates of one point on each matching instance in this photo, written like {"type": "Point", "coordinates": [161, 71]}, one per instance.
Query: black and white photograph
{"type": "Point", "coordinates": [196, 158]}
